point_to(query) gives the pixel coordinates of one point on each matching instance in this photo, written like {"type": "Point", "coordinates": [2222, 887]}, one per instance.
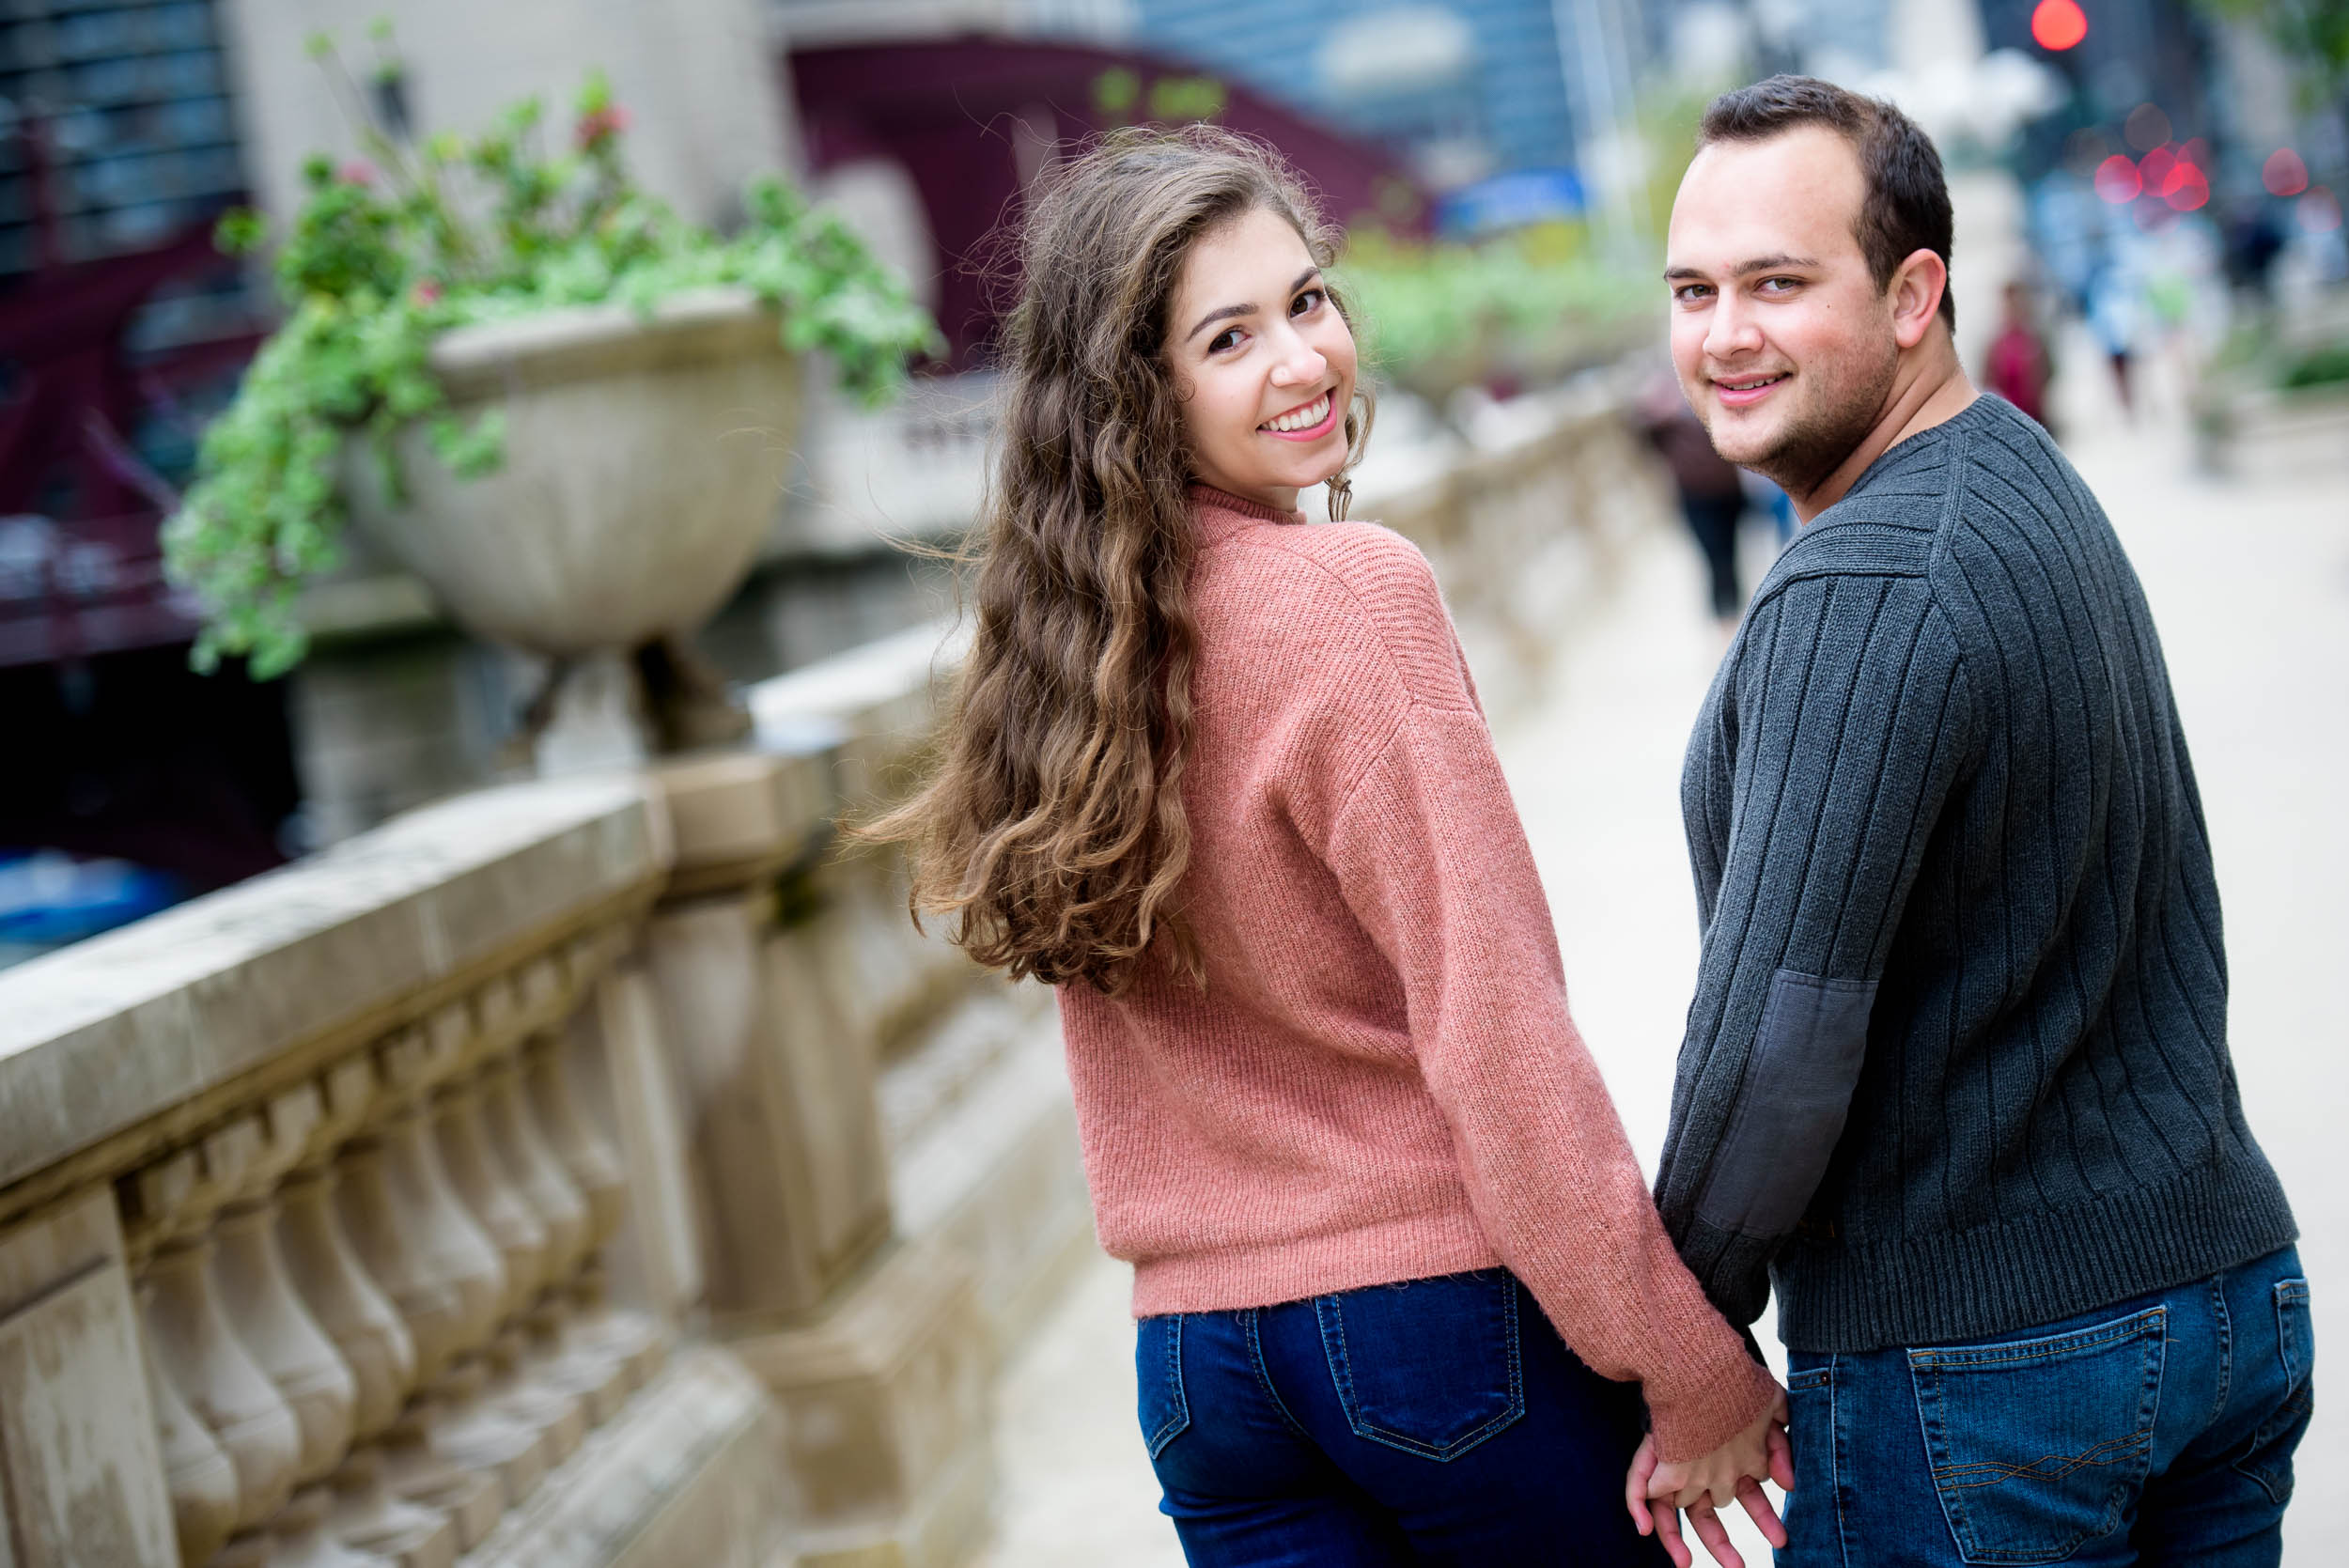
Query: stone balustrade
{"type": "Point", "coordinates": [599, 1170]}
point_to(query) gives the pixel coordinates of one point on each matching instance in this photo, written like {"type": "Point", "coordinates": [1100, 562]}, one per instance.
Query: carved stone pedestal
{"type": "Point", "coordinates": [885, 1400]}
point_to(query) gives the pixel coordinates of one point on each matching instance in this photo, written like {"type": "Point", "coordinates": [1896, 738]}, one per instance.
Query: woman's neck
{"type": "Point", "coordinates": [1279, 505]}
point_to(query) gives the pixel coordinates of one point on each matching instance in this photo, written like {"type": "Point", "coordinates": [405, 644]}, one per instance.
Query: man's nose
{"type": "Point", "coordinates": [1732, 329]}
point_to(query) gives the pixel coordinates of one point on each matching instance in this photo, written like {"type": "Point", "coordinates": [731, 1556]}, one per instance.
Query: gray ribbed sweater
{"type": "Point", "coordinates": [1957, 1062]}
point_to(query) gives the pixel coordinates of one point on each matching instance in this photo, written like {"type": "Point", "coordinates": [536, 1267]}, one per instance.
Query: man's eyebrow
{"type": "Point", "coordinates": [1227, 312]}
{"type": "Point", "coordinates": [1779, 263]}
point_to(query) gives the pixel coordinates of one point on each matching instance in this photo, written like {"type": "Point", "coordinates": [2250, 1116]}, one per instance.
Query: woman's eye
{"type": "Point", "coordinates": [1227, 338]}
{"type": "Point", "coordinates": [1307, 302]}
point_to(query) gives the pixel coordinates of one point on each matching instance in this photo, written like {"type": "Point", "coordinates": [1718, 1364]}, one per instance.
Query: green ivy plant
{"type": "Point", "coordinates": [386, 255]}
{"type": "Point", "coordinates": [1528, 303]}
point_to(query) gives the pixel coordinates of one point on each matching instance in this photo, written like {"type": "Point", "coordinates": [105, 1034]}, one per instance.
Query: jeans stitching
{"type": "Point", "coordinates": [1179, 1417]}
{"type": "Point", "coordinates": [1835, 1458]}
{"type": "Point", "coordinates": [2039, 1349]}
{"type": "Point", "coordinates": [2151, 1325]}
{"type": "Point", "coordinates": [2226, 1349]}
{"type": "Point", "coordinates": [2276, 1480]}
{"type": "Point", "coordinates": [1342, 1373]}
{"type": "Point", "coordinates": [1264, 1374]}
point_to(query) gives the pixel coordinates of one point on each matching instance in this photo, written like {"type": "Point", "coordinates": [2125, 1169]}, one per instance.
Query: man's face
{"type": "Point", "coordinates": [1782, 342]}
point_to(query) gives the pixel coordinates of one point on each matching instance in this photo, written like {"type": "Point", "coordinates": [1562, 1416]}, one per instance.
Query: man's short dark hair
{"type": "Point", "coordinates": [1907, 208]}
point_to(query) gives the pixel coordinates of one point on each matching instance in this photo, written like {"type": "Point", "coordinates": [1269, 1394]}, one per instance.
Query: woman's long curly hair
{"type": "Point", "coordinates": [1052, 834]}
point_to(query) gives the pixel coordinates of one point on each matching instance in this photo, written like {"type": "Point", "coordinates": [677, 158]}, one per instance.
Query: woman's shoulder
{"type": "Point", "coordinates": [1365, 567]}
{"type": "Point", "coordinates": [1359, 579]}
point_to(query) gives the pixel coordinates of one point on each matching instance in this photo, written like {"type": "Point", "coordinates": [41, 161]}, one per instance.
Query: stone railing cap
{"type": "Point", "coordinates": [105, 1034]}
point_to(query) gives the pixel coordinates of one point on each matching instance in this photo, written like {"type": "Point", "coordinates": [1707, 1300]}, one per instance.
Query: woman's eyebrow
{"type": "Point", "coordinates": [1228, 312]}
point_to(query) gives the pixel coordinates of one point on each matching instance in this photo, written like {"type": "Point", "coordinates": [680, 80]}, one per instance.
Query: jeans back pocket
{"type": "Point", "coordinates": [1159, 1380]}
{"type": "Point", "coordinates": [2038, 1445]}
{"type": "Point", "coordinates": [1427, 1366]}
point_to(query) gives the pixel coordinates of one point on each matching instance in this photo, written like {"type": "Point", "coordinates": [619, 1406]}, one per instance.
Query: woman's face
{"type": "Point", "coordinates": [1263, 363]}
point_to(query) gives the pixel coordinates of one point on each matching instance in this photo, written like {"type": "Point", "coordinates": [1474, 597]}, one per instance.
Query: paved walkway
{"type": "Point", "coordinates": [2249, 581]}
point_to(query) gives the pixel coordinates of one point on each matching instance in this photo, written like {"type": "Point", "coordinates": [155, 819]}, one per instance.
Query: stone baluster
{"type": "Point", "coordinates": [171, 1209]}
{"type": "Point", "coordinates": [269, 1317]}
{"type": "Point", "coordinates": [198, 1471]}
{"type": "Point", "coordinates": [595, 1167]}
{"type": "Point", "coordinates": [440, 1272]}
{"type": "Point", "coordinates": [558, 1360]}
{"type": "Point", "coordinates": [497, 1201]}
{"type": "Point", "coordinates": [367, 1329]}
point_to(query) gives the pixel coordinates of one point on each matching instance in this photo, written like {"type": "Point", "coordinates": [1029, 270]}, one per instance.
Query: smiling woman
{"type": "Point", "coordinates": [1265, 360]}
{"type": "Point", "coordinates": [1222, 778]}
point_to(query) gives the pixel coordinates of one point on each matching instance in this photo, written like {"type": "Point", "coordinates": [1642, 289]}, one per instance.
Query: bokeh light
{"type": "Point", "coordinates": [2284, 174]}
{"type": "Point", "coordinates": [2186, 188]}
{"type": "Point", "coordinates": [2156, 166]}
{"type": "Point", "coordinates": [2058, 25]}
{"type": "Point", "coordinates": [2319, 213]}
{"type": "Point", "coordinates": [2117, 180]}
{"type": "Point", "coordinates": [2146, 128]}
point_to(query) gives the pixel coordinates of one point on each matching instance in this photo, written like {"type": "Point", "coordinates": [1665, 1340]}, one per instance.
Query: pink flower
{"type": "Point", "coordinates": [428, 292]}
{"type": "Point", "coordinates": [595, 128]}
{"type": "Point", "coordinates": [357, 172]}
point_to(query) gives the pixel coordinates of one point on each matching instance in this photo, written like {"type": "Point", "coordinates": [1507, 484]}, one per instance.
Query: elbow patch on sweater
{"type": "Point", "coordinates": [1791, 1104]}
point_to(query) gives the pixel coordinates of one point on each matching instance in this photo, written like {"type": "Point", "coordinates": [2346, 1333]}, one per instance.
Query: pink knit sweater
{"type": "Point", "coordinates": [1380, 1081]}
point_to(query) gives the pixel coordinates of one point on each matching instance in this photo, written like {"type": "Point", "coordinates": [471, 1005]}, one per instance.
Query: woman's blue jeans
{"type": "Point", "coordinates": [1436, 1422]}
{"type": "Point", "coordinates": [2156, 1431]}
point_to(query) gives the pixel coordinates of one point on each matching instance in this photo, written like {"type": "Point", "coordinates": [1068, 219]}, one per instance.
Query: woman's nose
{"type": "Point", "coordinates": [1300, 363]}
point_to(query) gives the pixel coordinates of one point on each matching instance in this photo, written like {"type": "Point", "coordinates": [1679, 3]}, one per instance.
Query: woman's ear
{"type": "Point", "coordinates": [1916, 288]}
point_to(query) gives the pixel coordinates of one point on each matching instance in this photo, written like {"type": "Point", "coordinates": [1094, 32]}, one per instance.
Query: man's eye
{"type": "Point", "coordinates": [1307, 302]}
{"type": "Point", "coordinates": [1690, 293]}
{"type": "Point", "coordinates": [1781, 286]}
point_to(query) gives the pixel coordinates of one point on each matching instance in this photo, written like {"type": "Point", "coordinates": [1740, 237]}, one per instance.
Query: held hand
{"type": "Point", "coordinates": [1655, 1493]}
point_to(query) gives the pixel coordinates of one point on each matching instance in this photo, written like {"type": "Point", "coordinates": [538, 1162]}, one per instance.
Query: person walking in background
{"type": "Point", "coordinates": [2113, 311]}
{"type": "Point", "coordinates": [1221, 778]}
{"type": "Point", "coordinates": [2017, 366]}
{"type": "Point", "coordinates": [1955, 1078]}
{"type": "Point", "coordinates": [1712, 497]}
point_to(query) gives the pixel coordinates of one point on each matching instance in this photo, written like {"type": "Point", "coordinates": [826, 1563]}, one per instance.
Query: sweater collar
{"type": "Point", "coordinates": [1221, 512]}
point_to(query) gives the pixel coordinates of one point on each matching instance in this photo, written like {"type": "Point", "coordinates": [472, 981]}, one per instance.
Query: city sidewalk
{"type": "Point", "coordinates": [2249, 583]}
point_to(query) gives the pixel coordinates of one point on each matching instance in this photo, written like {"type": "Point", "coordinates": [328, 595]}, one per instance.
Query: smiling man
{"type": "Point", "coordinates": [1955, 1078]}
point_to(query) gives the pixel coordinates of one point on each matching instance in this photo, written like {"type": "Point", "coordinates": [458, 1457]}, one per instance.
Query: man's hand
{"type": "Point", "coordinates": [1701, 1485]}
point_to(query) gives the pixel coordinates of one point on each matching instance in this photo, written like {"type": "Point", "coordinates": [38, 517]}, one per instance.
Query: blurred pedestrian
{"type": "Point", "coordinates": [2113, 320]}
{"type": "Point", "coordinates": [1221, 778]}
{"type": "Point", "coordinates": [1712, 498]}
{"type": "Point", "coordinates": [1955, 1079]}
{"type": "Point", "coordinates": [2017, 365]}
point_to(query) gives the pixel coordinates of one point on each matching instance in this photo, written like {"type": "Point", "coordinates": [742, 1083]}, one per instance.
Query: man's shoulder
{"type": "Point", "coordinates": [1990, 469]}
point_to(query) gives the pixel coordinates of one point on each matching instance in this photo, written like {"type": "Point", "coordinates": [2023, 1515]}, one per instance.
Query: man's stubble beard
{"type": "Point", "coordinates": [1815, 442]}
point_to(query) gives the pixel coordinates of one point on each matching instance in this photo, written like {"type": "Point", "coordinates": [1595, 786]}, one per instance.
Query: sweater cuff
{"type": "Point", "coordinates": [1710, 1413]}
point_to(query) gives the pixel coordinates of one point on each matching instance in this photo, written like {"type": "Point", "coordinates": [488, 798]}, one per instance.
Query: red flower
{"type": "Point", "coordinates": [428, 292]}
{"type": "Point", "coordinates": [596, 129]}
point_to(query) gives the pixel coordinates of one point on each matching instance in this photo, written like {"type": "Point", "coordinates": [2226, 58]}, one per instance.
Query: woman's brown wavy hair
{"type": "Point", "coordinates": [1052, 834]}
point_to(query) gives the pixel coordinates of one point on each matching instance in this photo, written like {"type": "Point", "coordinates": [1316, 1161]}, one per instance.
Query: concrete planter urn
{"type": "Point", "coordinates": [643, 459]}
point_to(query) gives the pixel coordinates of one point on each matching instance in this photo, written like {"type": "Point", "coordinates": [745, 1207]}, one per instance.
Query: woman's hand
{"type": "Point", "coordinates": [1701, 1485]}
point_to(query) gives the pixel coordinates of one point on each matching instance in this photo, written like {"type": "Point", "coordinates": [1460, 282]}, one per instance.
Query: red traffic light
{"type": "Point", "coordinates": [2058, 25]}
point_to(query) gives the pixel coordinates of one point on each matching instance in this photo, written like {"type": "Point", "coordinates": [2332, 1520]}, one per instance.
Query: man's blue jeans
{"type": "Point", "coordinates": [1437, 1422]}
{"type": "Point", "coordinates": [2156, 1431]}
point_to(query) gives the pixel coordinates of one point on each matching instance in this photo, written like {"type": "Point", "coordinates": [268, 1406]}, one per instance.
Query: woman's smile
{"type": "Point", "coordinates": [1306, 422]}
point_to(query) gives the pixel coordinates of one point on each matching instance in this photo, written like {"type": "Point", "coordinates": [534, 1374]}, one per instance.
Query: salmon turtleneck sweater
{"type": "Point", "coordinates": [1380, 1081]}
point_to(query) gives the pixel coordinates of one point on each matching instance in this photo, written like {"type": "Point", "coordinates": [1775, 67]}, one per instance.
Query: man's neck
{"type": "Point", "coordinates": [1929, 391]}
